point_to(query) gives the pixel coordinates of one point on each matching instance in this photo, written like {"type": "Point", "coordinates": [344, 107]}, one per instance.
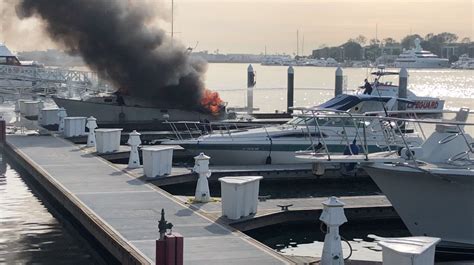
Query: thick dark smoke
{"type": "Point", "coordinates": [114, 39]}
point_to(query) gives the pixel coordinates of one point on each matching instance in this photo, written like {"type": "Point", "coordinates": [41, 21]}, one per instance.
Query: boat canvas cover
{"type": "Point", "coordinates": [345, 102]}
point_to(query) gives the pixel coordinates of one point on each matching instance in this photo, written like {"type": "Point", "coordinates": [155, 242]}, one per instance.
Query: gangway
{"type": "Point", "coordinates": [30, 79]}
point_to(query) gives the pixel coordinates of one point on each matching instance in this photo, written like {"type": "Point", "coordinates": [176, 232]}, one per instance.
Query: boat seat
{"type": "Point", "coordinates": [461, 116]}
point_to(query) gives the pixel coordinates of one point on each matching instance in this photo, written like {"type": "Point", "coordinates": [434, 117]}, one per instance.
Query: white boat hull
{"type": "Point", "coordinates": [435, 63]}
{"type": "Point", "coordinates": [430, 204]}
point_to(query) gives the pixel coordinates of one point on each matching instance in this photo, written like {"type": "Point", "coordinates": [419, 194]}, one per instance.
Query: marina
{"type": "Point", "coordinates": [172, 133]}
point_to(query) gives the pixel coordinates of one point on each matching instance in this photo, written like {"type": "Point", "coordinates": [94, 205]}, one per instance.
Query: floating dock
{"type": "Point", "coordinates": [122, 212]}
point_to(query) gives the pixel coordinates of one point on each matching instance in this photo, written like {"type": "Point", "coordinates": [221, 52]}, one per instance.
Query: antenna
{"type": "Point", "coordinates": [302, 47]}
{"type": "Point", "coordinates": [172, 19]}
{"type": "Point", "coordinates": [297, 42]}
{"type": "Point", "coordinates": [376, 32]}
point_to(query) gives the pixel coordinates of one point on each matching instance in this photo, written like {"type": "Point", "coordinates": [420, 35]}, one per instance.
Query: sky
{"type": "Point", "coordinates": [248, 26]}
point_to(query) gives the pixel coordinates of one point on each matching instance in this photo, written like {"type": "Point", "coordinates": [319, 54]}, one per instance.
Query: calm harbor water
{"type": "Point", "coordinates": [314, 85]}
{"type": "Point", "coordinates": [29, 232]}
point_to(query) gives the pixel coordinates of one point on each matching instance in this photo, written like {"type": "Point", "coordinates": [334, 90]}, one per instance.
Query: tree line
{"type": "Point", "coordinates": [360, 47]}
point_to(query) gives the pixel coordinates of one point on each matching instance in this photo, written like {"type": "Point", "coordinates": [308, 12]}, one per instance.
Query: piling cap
{"type": "Point", "coordinates": [202, 156]}
{"type": "Point", "coordinates": [91, 118]}
{"type": "Point", "coordinates": [250, 68]}
{"type": "Point", "coordinates": [339, 71]}
{"type": "Point", "coordinates": [135, 133]}
{"type": "Point", "coordinates": [333, 202]}
{"type": "Point", "coordinates": [291, 70]}
{"type": "Point", "coordinates": [403, 73]}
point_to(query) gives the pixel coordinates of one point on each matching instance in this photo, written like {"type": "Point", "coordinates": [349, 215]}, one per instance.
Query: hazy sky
{"type": "Point", "coordinates": [246, 26]}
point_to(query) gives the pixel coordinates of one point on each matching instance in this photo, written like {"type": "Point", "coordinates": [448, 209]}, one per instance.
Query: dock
{"type": "Point", "coordinates": [122, 212]}
{"type": "Point", "coordinates": [273, 211]}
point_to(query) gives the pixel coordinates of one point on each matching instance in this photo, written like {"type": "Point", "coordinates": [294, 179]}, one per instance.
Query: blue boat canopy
{"type": "Point", "coordinates": [345, 102]}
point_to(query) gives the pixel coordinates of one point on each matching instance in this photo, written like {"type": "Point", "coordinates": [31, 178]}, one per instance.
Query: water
{"type": "Point", "coordinates": [306, 238]}
{"type": "Point", "coordinates": [29, 232]}
{"type": "Point", "coordinates": [314, 85]}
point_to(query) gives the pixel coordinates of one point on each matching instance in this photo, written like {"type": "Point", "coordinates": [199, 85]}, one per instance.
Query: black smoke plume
{"type": "Point", "coordinates": [115, 39]}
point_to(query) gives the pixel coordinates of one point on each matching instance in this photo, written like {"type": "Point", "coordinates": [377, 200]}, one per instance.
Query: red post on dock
{"type": "Point", "coordinates": [3, 131]}
{"type": "Point", "coordinates": [169, 250]}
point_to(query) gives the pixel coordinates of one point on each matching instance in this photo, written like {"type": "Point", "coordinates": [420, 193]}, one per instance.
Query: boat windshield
{"type": "Point", "coordinates": [322, 121]}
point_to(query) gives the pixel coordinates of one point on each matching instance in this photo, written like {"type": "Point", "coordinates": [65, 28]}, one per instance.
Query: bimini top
{"type": "Point", "coordinates": [5, 52]}
{"type": "Point", "coordinates": [345, 102]}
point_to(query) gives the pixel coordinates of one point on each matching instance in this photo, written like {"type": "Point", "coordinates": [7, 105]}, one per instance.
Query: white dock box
{"type": "Point", "coordinates": [157, 160]}
{"type": "Point", "coordinates": [74, 126]}
{"type": "Point", "coordinates": [107, 140]}
{"type": "Point", "coordinates": [30, 108]}
{"type": "Point", "coordinates": [239, 196]}
{"type": "Point", "coordinates": [49, 116]}
{"type": "Point", "coordinates": [418, 250]}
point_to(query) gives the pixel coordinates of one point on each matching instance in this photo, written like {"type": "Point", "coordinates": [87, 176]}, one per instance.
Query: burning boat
{"type": "Point", "coordinates": [115, 109]}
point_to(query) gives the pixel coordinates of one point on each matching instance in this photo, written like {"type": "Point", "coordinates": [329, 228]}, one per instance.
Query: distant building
{"type": "Point", "coordinates": [229, 58]}
{"type": "Point", "coordinates": [457, 49]}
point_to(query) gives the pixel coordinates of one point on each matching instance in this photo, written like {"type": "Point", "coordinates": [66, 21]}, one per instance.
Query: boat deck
{"type": "Point", "coordinates": [126, 210]}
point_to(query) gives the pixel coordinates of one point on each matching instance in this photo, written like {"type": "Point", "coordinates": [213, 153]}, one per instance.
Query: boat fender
{"type": "Point", "coordinates": [268, 161]}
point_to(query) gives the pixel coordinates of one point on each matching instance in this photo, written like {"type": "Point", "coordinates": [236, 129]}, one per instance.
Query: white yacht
{"type": "Point", "coordinates": [419, 58]}
{"type": "Point", "coordinates": [431, 186]}
{"type": "Point", "coordinates": [388, 89]}
{"type": "Point", "coordinates": [464, 62]}
{"type": "Point", "coordinates": [277, 144]}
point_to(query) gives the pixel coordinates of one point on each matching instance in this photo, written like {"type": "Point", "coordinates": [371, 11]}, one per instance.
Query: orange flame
{"type": "Point", "coordinates": [211, 101]}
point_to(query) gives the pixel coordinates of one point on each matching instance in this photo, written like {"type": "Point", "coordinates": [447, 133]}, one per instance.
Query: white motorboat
{"type": "Point", "coordinates": [431, 186]}
{"type": "Point", "coordinates": [388, 89]}
{"type": "Point", "coordinates": [464, 62]}
{"type": "Point", "coordinates": [419, 58]}
{"type": "Point", "coordinates": [277, 144]}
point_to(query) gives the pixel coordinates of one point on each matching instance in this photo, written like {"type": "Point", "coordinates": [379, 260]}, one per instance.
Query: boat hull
{"type": "Point", "coordinates": [416, 196]}
{"type": "Point", "coordinates": [255, 153]}
{"type": "Point", "coordinates": [108, 115]}
{"type": "Point", "coordinates": [437, 63]}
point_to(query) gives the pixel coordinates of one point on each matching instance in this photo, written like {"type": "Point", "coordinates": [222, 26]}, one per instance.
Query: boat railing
{"type": "Point", "coordinates": [395, 131]}
{"type": "Point", "coordinates": [365, 125]}
{"type": "Point", "coordinates": [191, 129]}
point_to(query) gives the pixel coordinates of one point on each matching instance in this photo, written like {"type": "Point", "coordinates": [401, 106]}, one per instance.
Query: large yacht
{"type": "Point", "coordinates": [419, 58]}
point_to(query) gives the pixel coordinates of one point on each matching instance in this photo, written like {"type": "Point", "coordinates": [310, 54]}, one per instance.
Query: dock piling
{"type": "Point", "coordinates": [134, 141]}
{"type": "Point", "coordinates": [339, 79]}
{"type": "Point", "coordinates": [40, 111]}
{"type": "Point", "coordinates": [3, 131]}
{"type": "Point", "coordinates": [291, 89]}
{"type": "Point", "coordinates": [402, 87]}
{"type": "Point", "coordinates": [250, 86]}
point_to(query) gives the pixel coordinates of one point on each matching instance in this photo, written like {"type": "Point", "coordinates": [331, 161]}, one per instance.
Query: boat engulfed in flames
{"type": "Point", "coordinates": [129, 112]}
